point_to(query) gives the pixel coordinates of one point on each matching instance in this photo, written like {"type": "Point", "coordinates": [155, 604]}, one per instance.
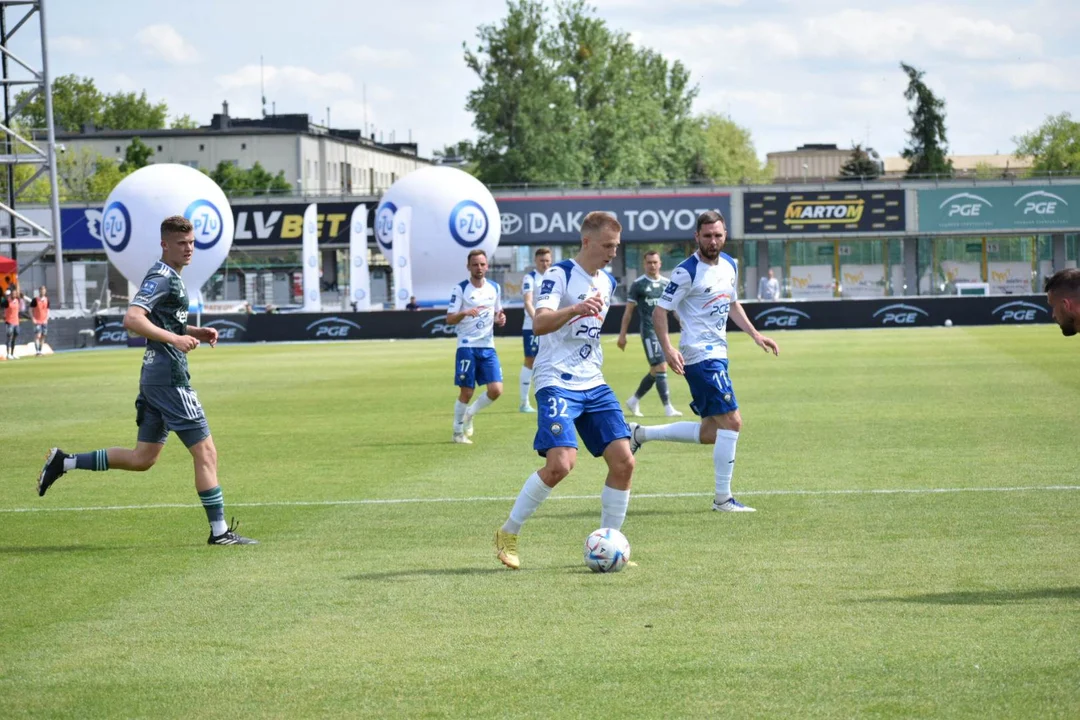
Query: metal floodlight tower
{"type": "Point", "coordinates": [17, 73]}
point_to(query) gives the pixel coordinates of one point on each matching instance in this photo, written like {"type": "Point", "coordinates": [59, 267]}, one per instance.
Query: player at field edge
{"type": "Point", "coordinates": [1063, 293]}
{"type": "Point", "coordinates": [39, 313]}
{"type": "Point", "coordinates": [645, 292]}
{"type": "Point", "coordinates": [12, 304]}
{"type": "Point", "coordinates": [703, 291]}
{"type": "Point", "coordinates": [542, 259]}
{"type": "Point", "coordinates": [572, 397]}
{"type": "Point", "coordinates": [166, 401]}
{"type": "Point", "coordinates": [476, 308]}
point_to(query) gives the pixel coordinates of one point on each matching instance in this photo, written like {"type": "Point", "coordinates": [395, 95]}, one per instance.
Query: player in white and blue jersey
{"type": "Point", "coordinates": [572, 397]}
{"type": "Point", "coordinates": [476, 308]}
{"type": "Point", "coordinates": [529, 284]}
{"type": "Point", "coordinates": [703, 291]}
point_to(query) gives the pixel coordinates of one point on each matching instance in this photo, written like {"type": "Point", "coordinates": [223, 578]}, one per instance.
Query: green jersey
{"type": "Point", "coordinates": [646, 293]}
{"type": "Point", "coordinates": [165, 300]}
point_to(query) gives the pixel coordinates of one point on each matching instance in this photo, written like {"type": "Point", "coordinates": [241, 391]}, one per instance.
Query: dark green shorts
{"type": "Point", "coordinates": [161, 409]}
{"type": "Point", "coordinates": [653, 353]}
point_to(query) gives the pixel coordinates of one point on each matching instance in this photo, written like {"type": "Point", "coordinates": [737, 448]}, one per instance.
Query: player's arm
{"type": "Point", "coordinates": [527, 297]}
{"type": "Point", "coordinates": [628, 312]}
{"type": "Point", "coordinates": [203, 334]}
{"type": "Point", "coordinates": [549, 316]}
{"type": "Point", "coordinates": [739, 317]}
{"type": "Point", "coordinates": [454, 313]}
{"type": "Point", "coordinates": [673, 294]}
{"type": "Point", "coordinates": [136, 321]}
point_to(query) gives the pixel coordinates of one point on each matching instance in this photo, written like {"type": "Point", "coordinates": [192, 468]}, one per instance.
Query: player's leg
{"type": "Point", "coordinates": [659, 371]}
{"type": "Point", "coordinates": [712, 395]}
{"type": "Point", "coordinates": [602, 427]}
{"type": "Point", "coordinates": [488, 374]}
{"type": "Point", "coordinates": [147, 450]}
{"type": "Point", "coordinates": [465, 379]}
{"type": "Point", "coordinates": [556, 442]}
{"type": "Point", "coordinates": [12, 334]}
{"type": "Point", "coordinates": [725, 430]}
{"type": "Point", "coordinates": [531, 346]}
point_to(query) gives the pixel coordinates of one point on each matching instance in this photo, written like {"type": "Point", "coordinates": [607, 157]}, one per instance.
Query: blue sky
{"type": "Point", "coordinates": [791, 72]}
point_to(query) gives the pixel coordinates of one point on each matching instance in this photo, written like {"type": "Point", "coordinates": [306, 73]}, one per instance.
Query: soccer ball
{"type": "Point", "coordinates": [606, 551]}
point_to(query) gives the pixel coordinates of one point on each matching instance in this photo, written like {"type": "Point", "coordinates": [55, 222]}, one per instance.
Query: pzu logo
{"type": "Point", "coordinates": [781, 317]}
{"type": "Point", "coordinates": [116, 226]}
{"type": "Point", "coordinates": [468, 223]}
{"type": "Point", "coordinates": [900, 314]}
{"type": "Point", "coordinates": [332, 327]}
{"type": "Point", "coordinates": [1017, 311]}
{"type": "Point", "coordinates": [206, 218]}
{"type": "Point", "coordinates": [384, 225]}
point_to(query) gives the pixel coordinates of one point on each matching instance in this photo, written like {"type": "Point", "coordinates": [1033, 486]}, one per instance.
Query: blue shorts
{"type": "Point", "coordinates": [531, 343]}
{"type": "Point", "coordinates": [12, 330]}
{"type": "Point", "coordinates": [710, 388]}
{"type": "Point", "coordinates": [476, 366]}
{"type": "Point", "coordinates": [594, 413]}
{"type": "Point", "coordinates": [161, 408]}
{"type": "Point", "coordinates": [42, 329]}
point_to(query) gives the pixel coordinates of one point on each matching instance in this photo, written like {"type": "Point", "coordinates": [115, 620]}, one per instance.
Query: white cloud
{"type": "Point", "coordinates": [366, 56]}
{"type": "Point", "coordinates": [73, 45]}
{"type": "Point", "coordinates": [301, 80]}
{"type": "Point", "coordinates": [164, 42]}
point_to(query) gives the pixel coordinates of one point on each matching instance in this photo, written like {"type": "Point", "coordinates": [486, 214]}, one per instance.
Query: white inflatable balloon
{"type": "Point", "coordinates": [452, 213]}
{"type": "Point", "coordinates": [131, 222]}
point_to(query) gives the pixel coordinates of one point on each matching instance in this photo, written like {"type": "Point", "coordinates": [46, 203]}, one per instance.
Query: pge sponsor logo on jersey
{"type": "Point", "coordinates": [1019, 311]}
{"type": "Point", "coordinates": [332, 328]}
{"type": "Point", "coordinates": [780, 317]}
{"type": "Point", "coordinates": [964, 205]}
{"type": "Point", "coordinates": [511, 223]}
{"type": "Point", "coordinates": [900, 314]}
{"type": "Point", "coordinates": [1040, 202]}
{"type": "Point", "coordinates": [111, 333]}
{"type": "Point", "coordinates": [116, 226]}
{"type": "Point", "coordinates": [228, 330]}
{"type": "Point", "coordinates": [384, 225]}
{"type": "Point", "coordinates": [206, 218]}
{"type": "Point", "coordinates": [437, 326]}
{"type": "Point", "coordinates": [824, 212]}
{"type": "Point", "coordinates": [468, 223]}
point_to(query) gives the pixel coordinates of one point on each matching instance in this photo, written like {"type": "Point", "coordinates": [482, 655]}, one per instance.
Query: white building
{"type": "Point", "coordinates": [316, 160]}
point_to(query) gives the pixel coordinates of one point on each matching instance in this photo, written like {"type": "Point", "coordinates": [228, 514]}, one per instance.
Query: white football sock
{"type": "Point", "coordinates": [724, 462]}
{"type": "Point", "coordinates": [533, 492]}
{"type": "Point", "coordinates": [684, 432]}
{"type": "Point", "coordinates": [613, 504]}
{"type": "Point", "coordinates": [459, 414]}
{"type": "Point", "coordinates": [479, 404]}
{"type": "Point", "coordinates": [526, 383]}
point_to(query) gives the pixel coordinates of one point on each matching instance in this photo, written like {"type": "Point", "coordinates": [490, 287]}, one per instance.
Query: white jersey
{"type": "Point", "coordinates": [528, 285]}
{"type": "Point", "coordinates": [476, 331]}
{"type": "Point", "coordinates": [702, 294]}
{"type": "Point", "coordinates": [571, 357]}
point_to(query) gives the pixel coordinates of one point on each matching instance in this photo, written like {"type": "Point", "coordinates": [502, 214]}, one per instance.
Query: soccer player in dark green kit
{"type": "Point", "coordinates": [166, 400]}
{"type": "Point", "coordinates": [646, 291]}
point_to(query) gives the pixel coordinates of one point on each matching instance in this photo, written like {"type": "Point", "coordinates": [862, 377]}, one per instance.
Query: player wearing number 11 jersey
{"type": "Point", "coordinates": [572, 398]}
{"type": "Point", "coordinates": [703, 291]}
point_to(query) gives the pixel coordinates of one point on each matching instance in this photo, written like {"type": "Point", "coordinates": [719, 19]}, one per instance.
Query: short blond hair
{"type": "Point", "coordinates": [597, 221]}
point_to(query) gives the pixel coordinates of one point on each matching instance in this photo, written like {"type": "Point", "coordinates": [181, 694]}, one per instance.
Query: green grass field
{"type": "Point", "coordinates": [914, 553]}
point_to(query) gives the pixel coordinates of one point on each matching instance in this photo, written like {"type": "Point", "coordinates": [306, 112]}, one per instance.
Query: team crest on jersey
{"type": "Point", "coordinates": [671, 288]}
{"type": "Point", "coordinates": [547, 286]}
{"type": "Point", "coordinates": [556, 428]}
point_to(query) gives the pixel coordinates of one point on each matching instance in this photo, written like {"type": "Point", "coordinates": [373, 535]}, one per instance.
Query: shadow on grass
{"type": "Point", "coordinates": [988, 597]}
{"type": "Point", "coordinates": [464, 572]}
{"type": "Point", "coordinates": [54, 549]}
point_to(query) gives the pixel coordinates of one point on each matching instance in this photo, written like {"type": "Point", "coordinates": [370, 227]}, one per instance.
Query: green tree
{"type": "Point", "coordinates": [131, 111]}
{"type": "Point", "coordinates": [254, 181]}
{"type": "Point", "coordinates": [861, 165]}
{"type": "Point", "coordinates": [1054, 146]}
{"type": "Point", "coordinates": [76, 101]}
{"type": "Point", "coordinates": [137, 155]}
{"type": "Point", "coordinates": [183, 122]}
{"type": "Point", "coordinates": [570, 99]}
{"type": "Point", "coordinates": [927, 150]}
{"type": "Point", "coordinates": [727, 155]}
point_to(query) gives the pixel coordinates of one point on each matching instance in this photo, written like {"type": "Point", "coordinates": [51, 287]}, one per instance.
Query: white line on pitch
{"type": "Point", "coordinates": [639, 496]}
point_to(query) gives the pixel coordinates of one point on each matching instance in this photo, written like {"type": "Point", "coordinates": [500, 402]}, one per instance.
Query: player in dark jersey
{"type": "Point", "coordinates": [166, 401]}
{"type": "Point", "coordinates": [646, 292]}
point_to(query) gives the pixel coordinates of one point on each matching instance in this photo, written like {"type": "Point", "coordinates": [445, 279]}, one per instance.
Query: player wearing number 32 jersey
{"type": "Point", "coordinates": [703, 291]}
{"type": "Point", "coordinates": [572, 398]}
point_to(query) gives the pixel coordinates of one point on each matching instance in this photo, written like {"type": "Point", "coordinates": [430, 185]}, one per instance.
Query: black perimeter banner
{"type": "Point", "coordinates": [815, 213]}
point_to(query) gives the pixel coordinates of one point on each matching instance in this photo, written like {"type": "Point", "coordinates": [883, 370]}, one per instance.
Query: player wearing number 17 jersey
{"type": "Point", "coordinates": [475, 308]}
{"type": "Point", "coordinates": [703, 291]}
{"type": "Point", "coordinates": [572, 398]}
